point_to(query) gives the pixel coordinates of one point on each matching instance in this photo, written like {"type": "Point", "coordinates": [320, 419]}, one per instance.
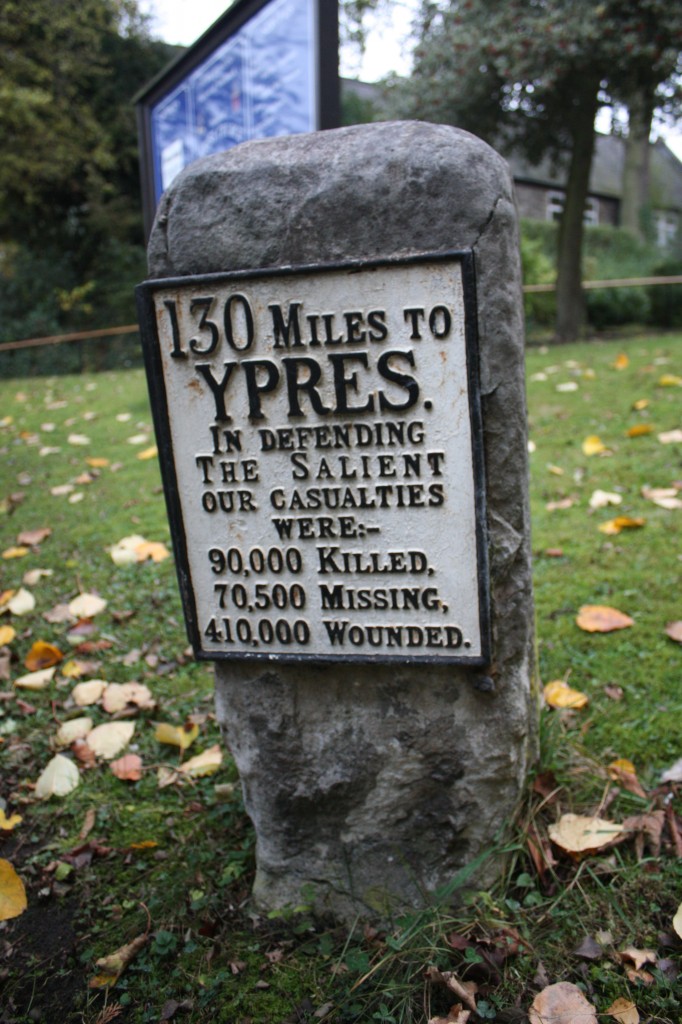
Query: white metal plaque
{"type": "Point", "coordinates": [322, 459]}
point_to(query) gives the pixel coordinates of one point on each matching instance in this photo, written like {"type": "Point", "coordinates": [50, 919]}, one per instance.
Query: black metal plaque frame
{"type": "Point", "coordinates": [159, 404]}
{"type": "Point", "coordinates": [326, 67]}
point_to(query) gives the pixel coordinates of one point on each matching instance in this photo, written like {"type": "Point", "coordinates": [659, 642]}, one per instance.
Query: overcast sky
{"type": "Point", "coordinates": [183, 21]}
{"type": "Point", "coordinates": [388, 47]}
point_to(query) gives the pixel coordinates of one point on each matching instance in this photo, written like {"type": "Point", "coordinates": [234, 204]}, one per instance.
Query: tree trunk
{"type": "Point", "coordinates": [570, 302]}
{"type": "Point", "coordinates": [636, 169]}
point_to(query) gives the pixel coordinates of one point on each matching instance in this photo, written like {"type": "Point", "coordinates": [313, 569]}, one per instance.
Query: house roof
{"type": "Point", "coordinates": [606, 177]}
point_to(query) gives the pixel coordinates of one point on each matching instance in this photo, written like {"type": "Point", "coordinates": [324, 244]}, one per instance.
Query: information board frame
{"type": "Point", "coordinates": [161, 414]}
{"type": "Point", "coordinates": [326, 96]}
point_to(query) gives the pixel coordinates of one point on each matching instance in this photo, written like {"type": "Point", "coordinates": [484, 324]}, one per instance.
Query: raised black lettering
{"type": "Point", "coordinates": [218, 388]}
{"type": "Point", "coordinates": [342, 383]}
{"type": "Point", "coordinates": [255, 389]}
{"type": "Point", "coordinates": [284, 328]}
{"type": "Point", "coordinates": [308, 386]}
{"type": "Point", "coordinates": [413, 316]}
{"type": "Point", "coordinates": [402, 380]}
{"type": "Point", "coordinates": [205, 306]}
{"type": "Point", "coordinates": [376, 319]}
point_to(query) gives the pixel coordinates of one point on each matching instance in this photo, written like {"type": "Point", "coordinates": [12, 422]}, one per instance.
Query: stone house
{"type": "Point", "coordinates": [540, 194]}
{"type": "Point", "coordinates": [540, 187]}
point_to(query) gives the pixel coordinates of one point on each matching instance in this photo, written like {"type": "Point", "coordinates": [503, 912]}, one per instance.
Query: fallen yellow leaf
{"type": "Point", "coordinates": [669, 380]}
{"type": "Point", "coordinates": [176, 735]}
{"type": "Point", "coordinates": [640, 404]}
{"type": "Point", "coordinates": [639, 429]}
{"type": "Point", "coordinates": [117, 696]}
{"type": "Point", "coordinates": [598, 618]}
{"type": "Point", "coordinates": [624, 1010]}
{"type": "Point", "coordinates": [559, 694]}
{"type": "Point", "coordinates": [7, 824]}
{"type": "Point", "coordinates": [12, 892]}
{"type": "Point", "coordinates": [593, 445]}
{"type": "Point", "coordinates": [152, 549]}
{"type": "Point", "coordinates": [148, 453]}
{"type": "Point", "coordinates": [74, 729]}
{"type": "Point", "coordinates": [22, 602]}
{"type": "Point", "coordinates": [15, 552]}
{"type": "Point", "coordinates": [203, 764]}
{"type": "Point", "coordinates": [87, 693]}
{"type": "Point", "coordinates": [614, 526]}
{"type": "Point", "coordinates": [36, 680]}
{"type": "Point", "coordinates": [7, 635]}
{"type": "Point", "coordinates": [578, 833]}
{"type": "Point", "coordinates": [677, 921]}
{"type": "Point", "coordinates": [42, 655]}
{"type": "Point", "coordinates": [600, 499]}
{"type": "Point", "coordinates": [85, 606]}
{"type": "Point", "coordinates": [114, 964]}
{"type": "Point", "coordinates": [621, 362]}
{"type": "Point", "coordinates": [109, 739]}
{"type": "Point", "coordinates": [97, 463]}
{"type": "Point", "coordinates": [58, 778]}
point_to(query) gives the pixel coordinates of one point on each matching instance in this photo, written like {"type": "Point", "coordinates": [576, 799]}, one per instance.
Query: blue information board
{"type": "Point", "coordinates": [256, 73]}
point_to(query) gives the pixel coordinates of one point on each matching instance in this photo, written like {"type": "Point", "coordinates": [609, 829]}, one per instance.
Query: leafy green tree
{"type": "Point", "coordinates": [533, 75]}
{"type": "Point", "coordinates": [69, 181]}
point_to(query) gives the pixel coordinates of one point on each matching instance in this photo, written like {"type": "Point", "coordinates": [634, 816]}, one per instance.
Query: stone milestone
{"type": "Point", "coordinates": [334, 342]}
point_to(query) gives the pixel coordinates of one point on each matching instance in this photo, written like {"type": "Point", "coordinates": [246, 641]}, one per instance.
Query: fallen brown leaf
{"type": "Point", "coordinates": [34, 537]}
{"type": "Point", "coordinates": [562, 1003]}
{"type": "Point", "coordinates": [638, 957]}
{"type": "Point", "coordinates": [88, 823]}
{"type": "Point", "coordinates": [674, 631]}
{"type": "Point", "coordinates": [623, 772]}
{"type": "Point", "coordinates": [456, 1015]}
{"type": "Point", "coordinates": [638, 975]}
{"type": "Point", "coordinates": [128, 767]}
{"type": "Point", "coordinates": [464, 990]}
{"type": "Point", "coordinates": [112, 966]}
{"type": "Point", "coordinates": [647, 827]}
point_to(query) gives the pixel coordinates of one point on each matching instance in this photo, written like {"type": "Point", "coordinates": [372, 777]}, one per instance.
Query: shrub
{"type": "Point", "coordinates": [612, 307]}
{"type": "Point", "coordinates": [666, 299]}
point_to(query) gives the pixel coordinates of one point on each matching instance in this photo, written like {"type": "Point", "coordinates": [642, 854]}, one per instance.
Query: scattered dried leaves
{"type": "Point", "coordinates": [597, 618]}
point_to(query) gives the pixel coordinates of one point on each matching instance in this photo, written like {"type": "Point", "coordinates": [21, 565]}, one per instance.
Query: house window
{"type": "Point", "coordinates": [591, 214]}
{"type": "Point", "coordinates": [666, 229]}
{"type": "Point", "coordinates": [555, 205]}
{"type": "Point", "coordinates": [555, 208]}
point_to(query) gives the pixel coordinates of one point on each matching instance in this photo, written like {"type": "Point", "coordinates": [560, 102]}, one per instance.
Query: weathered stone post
{"type": "Point", "coordinates": [347, 483]}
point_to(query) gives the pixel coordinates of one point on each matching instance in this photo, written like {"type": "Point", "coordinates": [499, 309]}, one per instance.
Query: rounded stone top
{"type": "Point", "coordinates": [361, 192]}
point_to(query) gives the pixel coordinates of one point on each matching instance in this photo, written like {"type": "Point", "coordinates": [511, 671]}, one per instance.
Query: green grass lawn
{"type": "Point", "coordinates": [117, 860]}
